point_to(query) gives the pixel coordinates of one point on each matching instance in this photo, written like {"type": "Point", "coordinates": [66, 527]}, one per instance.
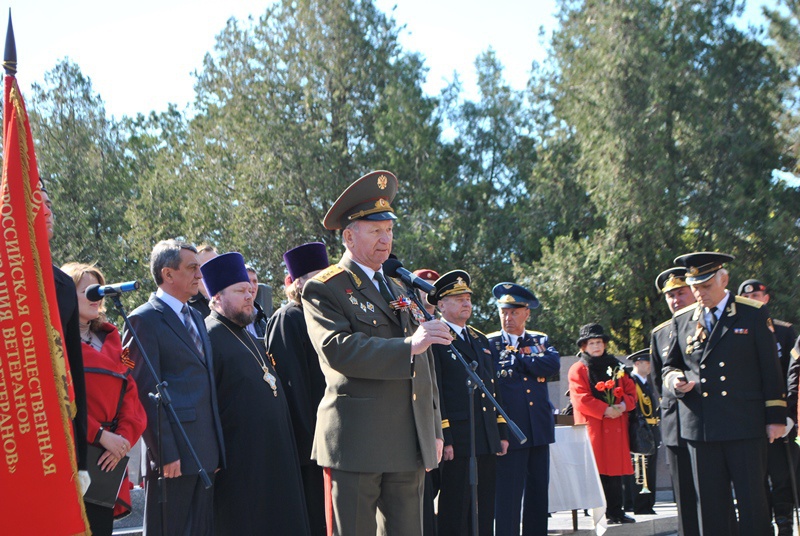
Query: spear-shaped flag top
{"type": "Point", "coordinates": [38, 466]}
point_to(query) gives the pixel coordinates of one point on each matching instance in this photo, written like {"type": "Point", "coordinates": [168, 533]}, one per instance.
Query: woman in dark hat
{"type": "Point", "coordinates": [602, 394]}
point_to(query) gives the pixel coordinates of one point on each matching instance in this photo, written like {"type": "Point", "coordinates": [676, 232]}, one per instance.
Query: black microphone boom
{"type": "Point", "coordinates": [98, 292]}
{"type": "Point", "coordinates": [394, 268]}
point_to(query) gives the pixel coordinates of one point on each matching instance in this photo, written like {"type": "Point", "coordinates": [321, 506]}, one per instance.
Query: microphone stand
{"type": "Point", "coordinates": [473, 382]}
{"type": "Point", "coordinates": [161, 398]}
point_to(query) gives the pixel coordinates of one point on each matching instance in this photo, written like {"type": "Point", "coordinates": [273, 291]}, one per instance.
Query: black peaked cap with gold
{"type": "Point", "coordinates": [641, 355]}
{"type": "Point", "coordinates": [450, 284]}
{"type": "Point", "coordinates": [368, 198]}
{"type": "Point", "coordinates": [671, 278]}
{"type": "Point", "coordinates": [511, 295]}
{"type": "Point", "coordinates": [701, 266]}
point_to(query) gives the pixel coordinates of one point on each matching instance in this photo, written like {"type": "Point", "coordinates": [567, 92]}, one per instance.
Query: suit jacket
{"type": "Point", "coordinates": [451, 378]}
{"type": "Point", "coordinates": [523, 385]}
{"type": "Point", "coordinates": [67, 299]}
{"type": "Point", "coordinates": [739, 386]}
{"type": "Point", "coordinates": [380, 409]}
{"type": "Point", "coordinates": [190, 379]}
{"type": "Point", "coordinates": [660, 341]}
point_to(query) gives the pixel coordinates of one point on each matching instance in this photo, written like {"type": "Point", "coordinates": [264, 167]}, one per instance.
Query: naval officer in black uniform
{"type": "Point", "coordinates": [723, 365]}
{"type": "Point", "coordinates": [453, 298]}
{"type": "Point", "coordinates": [778, 452]}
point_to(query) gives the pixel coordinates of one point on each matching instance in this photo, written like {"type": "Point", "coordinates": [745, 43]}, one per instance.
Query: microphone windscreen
{"type": "Point", "coordinates": [390, 267]}
{"type": "Point", "coordinates": [93, 293]}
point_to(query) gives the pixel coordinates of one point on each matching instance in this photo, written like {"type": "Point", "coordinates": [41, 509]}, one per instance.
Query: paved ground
{"type": "Point", "coordinates": [662, 524]}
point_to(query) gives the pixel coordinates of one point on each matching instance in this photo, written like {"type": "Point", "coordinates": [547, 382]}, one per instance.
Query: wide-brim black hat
{"type": "Point", "coordinates": [671, 279]}
{"type": "Point", "coordinates": [450, 284]}
{"type": "Point", "coordinates": [368, 198]}
{"type": "Point", "coordinates": [592, 331]}
{"type": "Point", "coordinates": [511, 295]}
{"type": "Point", "coordinates": [702, 265]}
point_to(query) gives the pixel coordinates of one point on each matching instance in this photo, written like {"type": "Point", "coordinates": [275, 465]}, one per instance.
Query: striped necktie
{"type": "Point", "coordinates": [190, 325]}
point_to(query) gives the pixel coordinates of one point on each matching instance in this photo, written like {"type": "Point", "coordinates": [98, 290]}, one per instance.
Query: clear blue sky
{"type": "Point", "coordinates": [141, 55]}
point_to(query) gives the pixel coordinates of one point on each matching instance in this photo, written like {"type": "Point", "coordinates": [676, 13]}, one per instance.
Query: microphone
{"type": "Point", "coordinates": [98, 292]}
{"type": "Point", "coordinates": [394, 268]}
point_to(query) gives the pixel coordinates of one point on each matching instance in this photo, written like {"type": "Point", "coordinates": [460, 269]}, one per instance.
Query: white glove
{"type": "Point", "coordinates": [84, 481]}
{"type": "Point", "coordinates": [789, 426]}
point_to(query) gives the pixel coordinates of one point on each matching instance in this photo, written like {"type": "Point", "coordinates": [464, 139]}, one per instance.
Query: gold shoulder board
{"type": "Point", "coordinates": [479, 332]}
{"type": "Point", "coordinates": [685, 310]}
{"type": "Point", "coordinates": [662, 325]}
{"type": "Point", "coordinates": [748, 301]}
{"type": "Point", "coordinates": [329, 272]}
{"type": "Point", "coordinates": [781, 323]}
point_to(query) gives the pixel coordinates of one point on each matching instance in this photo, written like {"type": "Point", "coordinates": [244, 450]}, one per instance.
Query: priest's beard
{"type": "Point", "coordinates": [239, 316]}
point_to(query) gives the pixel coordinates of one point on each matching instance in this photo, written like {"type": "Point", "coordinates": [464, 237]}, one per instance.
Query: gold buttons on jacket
{"type": "Point", "coordinates": [702, 366]}
{"type": "Point", "coordinates": [724, 393]}
{"type": "Point", "coordinates": [524, 379]}
{"type": "Point", "coordinates": [722, 378]}
{"type": "Point", "coordinates": [530, 403]}
{"type": "Point", "coordinates": [722, 363]}
{"type": "Point", "coordinates": [414, 396]}
{"type": "Point", "coordinates": [528, 391]}
{"type": "Point", "coordinates": [702, 380]}
{"type": "Point", "coordinates": [705, 394]}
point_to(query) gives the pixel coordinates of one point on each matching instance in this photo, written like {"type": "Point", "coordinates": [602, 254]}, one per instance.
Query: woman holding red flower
{"type": "Point", "coordinates": [602, 394]}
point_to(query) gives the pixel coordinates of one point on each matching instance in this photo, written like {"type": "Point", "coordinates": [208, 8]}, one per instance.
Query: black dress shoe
{"type": "Point", "coordinates": [618, 520]}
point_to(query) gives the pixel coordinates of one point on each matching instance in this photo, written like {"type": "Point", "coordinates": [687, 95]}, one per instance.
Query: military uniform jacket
{"type": "Point", "coordinates": [451, 378]}
{"type": "Point", "coordinates": [647, 403]}
{"type": "Point", "coordinates": [380, 409]}
{"type": "Point", "coordinates": [660, 341]}
{"type": "Point", "coordinates": [521, 375]}
{"type": "Point", "coordinates": [739, 387]}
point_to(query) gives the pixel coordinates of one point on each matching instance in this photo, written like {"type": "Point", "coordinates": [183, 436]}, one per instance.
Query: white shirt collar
{"type": "Point", "coordinates": [455, 327]}
{"type": "Point", "coordinates": [642, 378]}
{"type": "Point", "coordinates": [720, 305]}
{"type": "Point", "coordinates": [174, 303]}
{"type": "Point", "coordinates": [512, 339]}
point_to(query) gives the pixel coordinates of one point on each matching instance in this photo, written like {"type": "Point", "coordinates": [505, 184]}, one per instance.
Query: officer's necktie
{"type": "Point", "coordinates": [387, 295]}
{"type": "Point", "coordinates": [464, 334]}
{"type": "Point", "coordinates": [712, 319]}
{"type": "Point", "coordinates": [193, 333]}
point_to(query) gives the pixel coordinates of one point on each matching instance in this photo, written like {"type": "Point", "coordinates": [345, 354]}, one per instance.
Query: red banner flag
{"type": "Point", "coordinates": [39, 491]}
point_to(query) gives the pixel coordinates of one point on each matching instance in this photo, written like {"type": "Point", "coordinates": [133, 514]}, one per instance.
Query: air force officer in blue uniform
{"type": "Point", "coordinates": [523, 360]}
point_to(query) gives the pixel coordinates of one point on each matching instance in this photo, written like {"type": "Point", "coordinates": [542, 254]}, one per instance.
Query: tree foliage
{"type": "Point", "coordinates": [653, 129]}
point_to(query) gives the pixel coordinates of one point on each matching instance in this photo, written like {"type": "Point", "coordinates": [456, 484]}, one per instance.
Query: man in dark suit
{"type": "Point", "coordinates": [779, 452]}
{"type": "Point", "coordinates": [68, 312]}
{"type": "Point", "coordinates": [523, 360]}
{"type": "Point", "coordinates": [723, 366]}
{"type": "Point", "coordinates": [175, 340]}
{"type": "Point", "coordinates": [378, 425]}
{"type": "Point", "coordinates": [453, 297]}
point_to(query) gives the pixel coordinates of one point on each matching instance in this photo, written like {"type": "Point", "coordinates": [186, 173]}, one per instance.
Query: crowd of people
{"type": "Point", "coordinates": [356, 409]}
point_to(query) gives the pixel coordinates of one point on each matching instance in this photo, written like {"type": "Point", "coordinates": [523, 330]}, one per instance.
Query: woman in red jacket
{"type": "Point", "coordinates": [116, 418]}
{"type": "Point", "coordinates": [602, 394]}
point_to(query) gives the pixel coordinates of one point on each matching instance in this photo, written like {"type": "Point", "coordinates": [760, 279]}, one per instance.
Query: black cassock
{"type": "Point", "coordinates": [298, 366]}
{"type": "Point", "coordinates": [260, 491]}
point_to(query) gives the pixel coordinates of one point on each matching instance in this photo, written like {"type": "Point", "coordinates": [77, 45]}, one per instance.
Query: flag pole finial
{"type": "Point", "coordinates": [10, 54]}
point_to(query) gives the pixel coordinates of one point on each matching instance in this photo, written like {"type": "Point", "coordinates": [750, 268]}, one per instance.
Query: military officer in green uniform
{"type": "Point", "coordinates": [723, 366]}
{"type": "Point", "coordinates": [378, 425]}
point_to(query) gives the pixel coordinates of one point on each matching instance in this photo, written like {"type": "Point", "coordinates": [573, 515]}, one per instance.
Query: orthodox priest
{"type": "Point", "coordinates": [260, 491]}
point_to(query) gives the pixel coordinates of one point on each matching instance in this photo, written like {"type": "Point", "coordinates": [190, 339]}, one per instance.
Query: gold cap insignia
{"type": "Point", "coordinates": [382, 181]}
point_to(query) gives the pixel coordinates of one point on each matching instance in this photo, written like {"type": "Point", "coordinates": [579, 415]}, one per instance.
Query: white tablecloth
{"type": "Point", "coordinates": [574, 480]}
